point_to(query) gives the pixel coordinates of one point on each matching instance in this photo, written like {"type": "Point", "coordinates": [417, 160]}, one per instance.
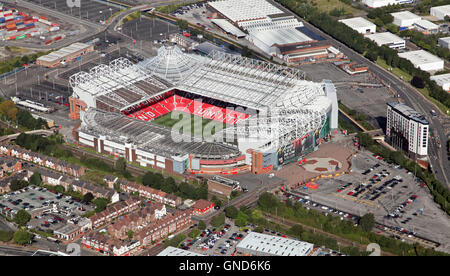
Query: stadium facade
{"type": "Point", "coordinates": [259, 115]}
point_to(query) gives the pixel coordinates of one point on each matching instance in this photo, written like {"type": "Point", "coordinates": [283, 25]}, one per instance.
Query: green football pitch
{"type": "Point", "coordinates": [189, 123]}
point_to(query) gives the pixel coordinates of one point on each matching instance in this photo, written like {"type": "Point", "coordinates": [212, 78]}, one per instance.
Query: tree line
{"type": "Point", "coordinates": [184, 190]}
{"type": "Point", "coordinates": [361, 233]}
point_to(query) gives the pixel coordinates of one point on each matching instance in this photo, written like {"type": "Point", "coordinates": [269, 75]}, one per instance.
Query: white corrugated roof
{"type": "Point", "coordinates": [405, 15]}
{"type": "Point", "coordinates": [281, 37]}
{"type": "Point", "coordinates": [384, 38]}
{"type": "Point", "coordinates": [357, 22]}
{"type": "Point", "coordinates": [239, 10]}
{"type": "Point", "coordinates": [420, 57]}
{"type": "Point", "coordinates": [274, 245]}
{"type": "Point", "coordinates": [426, 24]}
{"type": "Point", "coordinates": [228, 27]}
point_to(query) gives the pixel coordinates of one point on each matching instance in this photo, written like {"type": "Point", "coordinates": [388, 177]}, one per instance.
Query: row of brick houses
{"type": "Point", "coordinates": [115, 210]}
{"type": "Point", "coordinates": [153, 232]}
{"type": "Point", "coordinates": [136, 220]}
{"type": "Point", "coordinates": [54, 179]}
{"type": "Point", "coordinates": [152, 194]}
{"type": "Point", "coordinates": [42, 160]}
{"type": "Point", "coordinates": [164, 227]}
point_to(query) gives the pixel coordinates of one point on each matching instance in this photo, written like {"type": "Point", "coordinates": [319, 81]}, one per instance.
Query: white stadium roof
{"type": "Point", "coordinates": [171, 63]}
{"type": "Point", "coordinates": [239, 10]}
{"type": "Point", "coordinates": [292, 106]}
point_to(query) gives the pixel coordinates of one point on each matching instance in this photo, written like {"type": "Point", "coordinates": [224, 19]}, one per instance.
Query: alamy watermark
{"type": "Point", "coordinates": [73, 3]}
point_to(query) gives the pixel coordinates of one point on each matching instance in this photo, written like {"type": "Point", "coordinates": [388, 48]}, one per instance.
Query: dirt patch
{"type": "Point", "coordinates": [321, 169]}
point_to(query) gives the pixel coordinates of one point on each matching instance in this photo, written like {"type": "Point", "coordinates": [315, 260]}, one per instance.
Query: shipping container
{"type": "Point", "coordinates": [53, 29]}
{"type": "Point", "coordinates": [20, 37]}
{"type": "Point", "coordinates": [9, 26]}
{"type": "Point", "coordinates": [2, 20]}
{"type": "Point", "coordinates": [29, 25]}
{"type": "Point", "coordinates": [44, 21]}
{"type": "Point", "coordinates": [57, 38]}
{"type": "Point", "coordinates": [48, 42]}
{"type": "Point", "coordinates": [19, 23]}
{"type": "Point", "coordinates": [43, 17]}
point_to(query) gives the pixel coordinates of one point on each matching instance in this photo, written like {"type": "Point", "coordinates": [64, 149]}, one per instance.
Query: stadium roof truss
{"type": "Point", "coordinates": [241, 81]}
{"type": "Point", "coordinates": [105, 80]}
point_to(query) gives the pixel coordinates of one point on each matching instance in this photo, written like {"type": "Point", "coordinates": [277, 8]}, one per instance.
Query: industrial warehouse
{"type": "Point", "coordinates": [270, 29]}
{"type": "Point", "coordinates": [269, 114]}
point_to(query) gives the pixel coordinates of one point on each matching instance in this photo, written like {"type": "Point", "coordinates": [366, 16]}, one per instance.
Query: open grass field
{"type": "Point", "coordinates": [329, 5]}
{"type": "Point", "coordinates": [190, 124]}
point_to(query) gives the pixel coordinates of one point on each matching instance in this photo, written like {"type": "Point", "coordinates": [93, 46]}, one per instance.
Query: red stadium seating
{"type": "Point", "coordinates": [198, 108]}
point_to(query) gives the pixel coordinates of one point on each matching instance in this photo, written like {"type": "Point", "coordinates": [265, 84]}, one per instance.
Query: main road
{"type": "Point", "coordinates": [439, 125]}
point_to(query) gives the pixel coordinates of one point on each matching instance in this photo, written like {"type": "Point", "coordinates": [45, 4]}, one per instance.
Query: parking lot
{"type": "Point", "coordinates": [213, 242]}
{"type": "Point", "coordinates": [397, 200]}
{"type": "Point", "coordinates": [94, 11]}
{"type": "Point", "coordinates": [148, 29]}
{"type": "Point", "coordinates": [35, 200]}
{"type": "Point", "coordinates": [369, 100]}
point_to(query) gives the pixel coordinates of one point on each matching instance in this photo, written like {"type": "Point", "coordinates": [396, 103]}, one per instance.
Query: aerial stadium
{"type": "Point", "coordinates": [215, 114]}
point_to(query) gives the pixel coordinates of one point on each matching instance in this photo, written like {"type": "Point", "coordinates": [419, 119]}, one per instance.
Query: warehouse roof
{"type": "Point", "coordinates": [228, 27]}
{"type": "Point", "coordinates": [441, 79]}
{"type": "Point", "coordinates": [238, 10]}
{"type": "Point", "coordinates": [274, 245]}
{"type": "Point", "coordinates": [173, 251]}
{"type": "Point", "coordinates": [420, 57]}
{"type": "Point", "coordinates": [425, 24]}
{"type": "Point", "coordinates": [281, 37]}
{"type": "Point", "coordinates": [61, 53]}
{"type": "Point", "coordinates": [384, 38]}
{"type": "Point", "coordinates": [405, 15]}
{"type": "Point", "coordinates": [445, 9]}
{"type": "Point", "coordinates": [357, 22]}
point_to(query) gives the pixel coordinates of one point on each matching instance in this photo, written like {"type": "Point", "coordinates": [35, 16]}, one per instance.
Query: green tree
{"type": "Point", "coordinates": [100, 204]}
{"type": "Point", "coordinates": [36, 179]}
{"type": "Point", "coordinates": [130, 234]}
{"type": "Point", "coordinates": [231, 212]}
{"type": "Point", "coordinates": [22, 237]}
{"type": "Point", "coordinates": [241, 219]}
{"type": "Point", "coordinates": [194, 233]}
{"type": "Point", "coordinates": [367, 222]}
{"type": "Point", "coordinates": [201, 225]}
{"type": "Point", "coordinates": [218, 220]}
{"type": "Point", "coordinates": [88, 197]}
{"type": "Point", "coordinates": [121, 165]}
{"type": "Point", "coordinates": [18, 184]}
{"type": "Point", "coordinates": [22, 217]}
{"type": "Point", "coordinates": [259, 229]}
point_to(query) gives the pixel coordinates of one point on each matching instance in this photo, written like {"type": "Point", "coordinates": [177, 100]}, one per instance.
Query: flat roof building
{"type": "Point", "coordinates": [383, 3]}
{"type": "Point", "coordinates": [238, 10]}
{"type": "Point", "coordinates": [177, 252]}
{"type": "Point", "coordinates": [440, 11]}
{"type": "Point", "coordinates": [405, 18]}
{"type": "Point", "coordinates": [359, 24]}
{"type": "Point", "coordinates": [65, 54]}
{"type": "Point", "coordinates": [424, 60]}
{"type": "Point", "coordinates": [407, 129]}
{"type": "Point", "coordinates": [444, 42]}
{"type": "Point", "coordinates": [426, 27]}
{"type": "Point", "coordinates": [443, 81]}
{"type": "Point", "coordinates": [258, 244]}
{"type": "Point", "coordinates": [389, 39]}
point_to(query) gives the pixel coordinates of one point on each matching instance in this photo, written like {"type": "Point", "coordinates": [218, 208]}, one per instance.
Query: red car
{"type": "Point", "coordinates": [349, 193]}
{"type": "Point", "coordinates": [283, 236]}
